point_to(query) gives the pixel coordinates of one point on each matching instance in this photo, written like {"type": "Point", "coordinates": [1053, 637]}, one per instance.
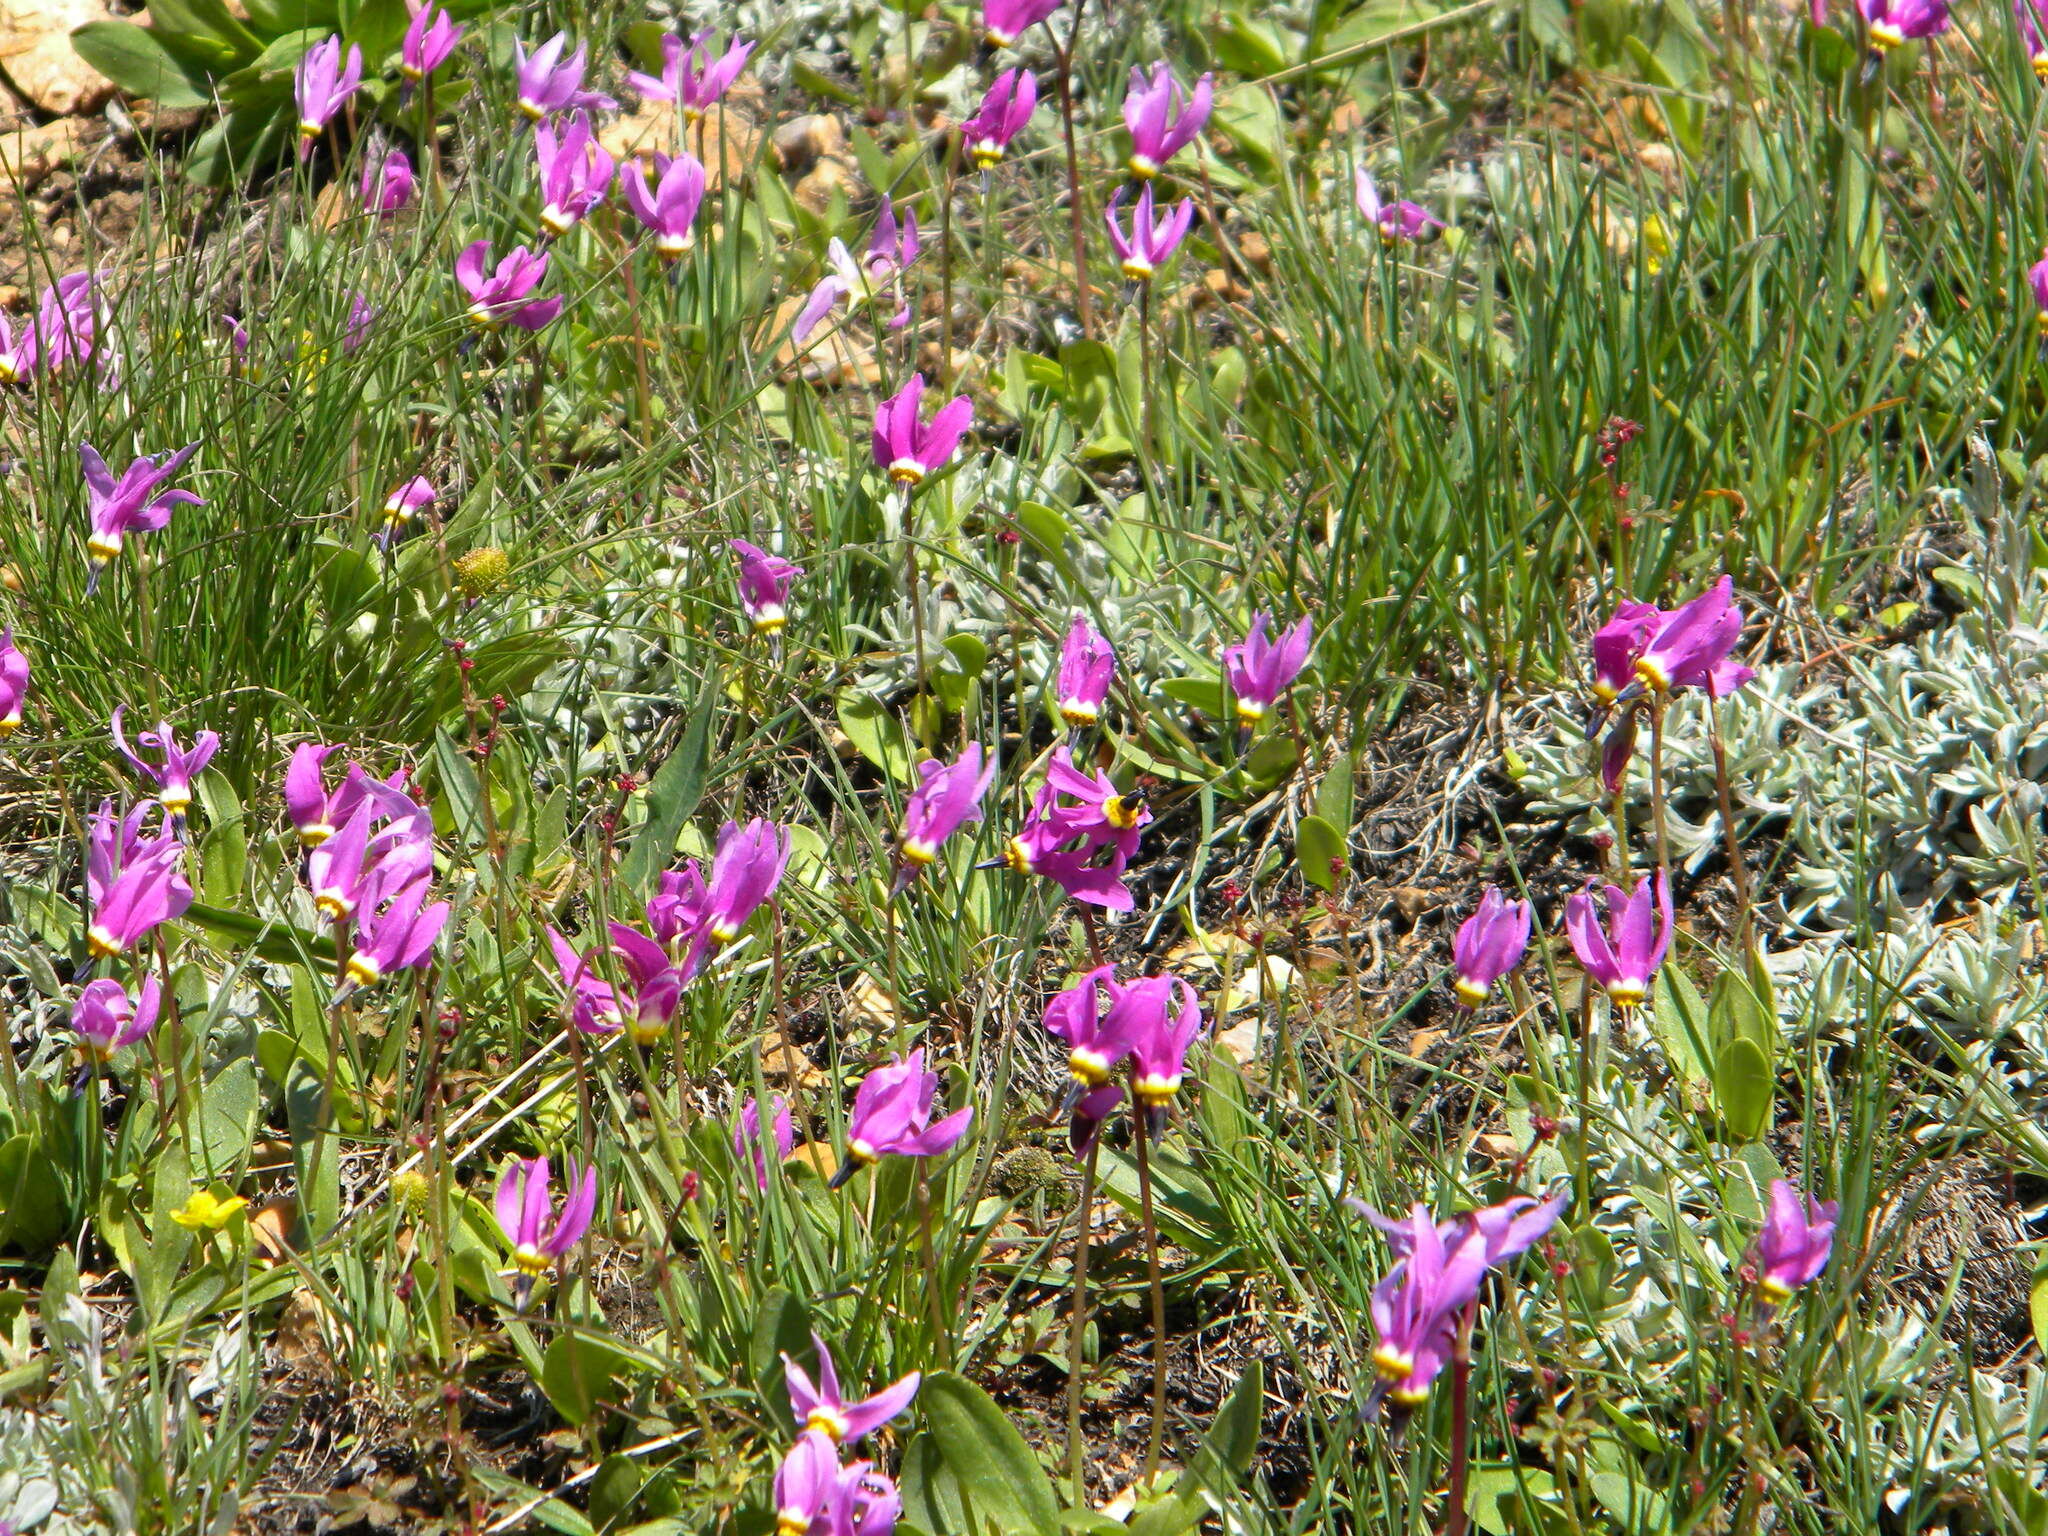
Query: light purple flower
{"type": "Point", "coordinates": [690, 77]}
{"type": "Point", "coordinates": [1079, 1017]}
{"type": "Point", "coordinates": [1160, 1016]}
{"type": "Point", "coordinates": [1087, 664]}
{"type": "Point", "coordinates": [891, 249]}
{"type": "Point", "coordinates": [402, 506]}
{"type": "Point", "coordinates": [323, 83]}
{"type": "Point", "coordinates": [504, 296]}
{"type": "Point", "coordinates": [341, 869]}
{"type": "Point", "coordinates": [132, 504]}
{"type": "Point", "coordinates": [1152, 241]}
{"type": "Point", "coordinates": [575, 172]}
{"type": "Point", "coordinates": [134, 883]}
{"type": "Point", "coordinates": [1162, 118]}
{"type": "Point", "coordinates": [747, 1136]}
{"type": "Point", "coordinates": [1007, 20]}
{"type": "Point", "coordinates": [811, 1494]}
{"type": "Point", "coordinates": [13, 683]}
{"type": "Point", "coordinates": [316, 815]}
{"type": "Point", "coordinates": [1489, 945]}
{"type": "Point", "coordinates": [593, 1002]}
{"type": "Point", "coordinates": [892, 1114]}
{"type": "Point", "coordinates": [1890, 23]}
{"type": "Point", "coordinates": [819, 1406]}
{"type": "Point", "coordinates": [1262, 669]}
{"type": "Point", "coordinates": [2033, 20]}
{"type": "Point", "coordinates": [1072, 817]}
{"type": "Point", "coordinates": [654, 987]}
{"type": "Point", "coordinates": [388, 181]}
{"type": "Point", "coordinates": [173, 776]}
{"type": "Point", "coordinates": [946, 797]}
{"type": "Point", "coordinates": [677, 912]}
{"type": "Point", "coordinates": [744, 873]}
{"type": "Point", "coordinates": [765, 581]}
{"type": "Point", "coordinates": [665, 197]}
{"type": "Point", "coordinates": [430, 37]}
{"type": "Point", "coordinates": [525, 1200]}
{"type": "Point", "coordinates": [1622, 956]}
{"type": "Point", "coordinates": [1005, 110]}
{"type": "Point", "coordinates": [1617, 644]}
{"type": "Point", "coordinates": [550, 83]}
{"type": "Point", "coordinates": [64, 330]}
{"type": "Point", "coordinates": [395, 930]}
{"type": "Point", "coordinates": [2037, 278]}
{"type": "Point", "coordinates": [18, 352]}
{"type": "Point", "coordinates": [1691, 644]}
{"type": "Point", "coordinates": [106, 1018]}
{"type": "Point", "coordinates": [909, 449]}
{"type": "Point", "coordinates": [355, 330]}
{"type": "Point", "coordinates": [1400, 220]}
{"type": "Point", "coordinates": [1797, 1238]}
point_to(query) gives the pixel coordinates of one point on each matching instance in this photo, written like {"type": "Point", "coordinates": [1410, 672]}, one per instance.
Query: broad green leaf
{"type": "Point", "coordinates": [140, 65]}
{"type": "Point", "coordinates": [673, 793]}
{"type": "Point", "coordinates": [876, 733]}
{"type": "Point", "coordinates": [33, 1206]}
{"type": "Point", "coordinates": [1000, 1483]}
{"type": "Point", "coordinates": [2037, 1308]}
{"type": "Point", "coordinates": [1318, 852]}
{"type": "Point", "coordinates": [1743, 1088]}
{"type": "Point", "coordinates": [1678, 1020]}
{"type": "Point", "coordinates": [1224, 1457]}
{"type": "Point", "coordinates": [579, 1373]}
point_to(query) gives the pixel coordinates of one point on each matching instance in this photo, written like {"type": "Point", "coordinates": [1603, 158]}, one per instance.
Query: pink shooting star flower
{"type": "Point", "coordinates": [946, 797]}
{"type": "Point", "coordinates": [1891, 23]}
{"type": "Point", "coordinates": [324, 82]}
{"type": "Point", "coordinates": [1622, 957]}
{"type": "Point", "coordinates": [765, 581]}
{"type": "Point", "coordinates": [402, 506]}
{"type": "Point", "coordinates": [677, 911]}
{"type": "Point", "coordinates": [355, 329]}
{"type": "Point", "coordinates": [1419, 1305]}
{"type": "Point", "coordinates": [575, 173]}
{"type": "Point", "coordinates": [147, 887]}
{"type": "Point", "coordinates": [340, 870]}
{"type": "Point", "coordinates": [13, 683]}
{"type": "Point", "coordinates": [1691, 645]}
{"type": "Point", "coordinates": [1094, 1052]}
{"type": "Point", "coordinates": [745, 871]}
{"type": "Point", "coordinates": [66, 326]}
{"type": "Point", "coordinates": [1489, 945]}
{"type": "Point", "coordinates": [106, 1018]}
{"type": "Point", "coordinates": [173, 776]}
{"type": "Point", "coordinates": [1793, 1248]}
{"type": "Point", "coordinates": [1087, 663]}
{"type": "Point", "coordinates": [1152, 241]}
{"type": "Point", "coordinates": [1160, 1016]}
{"type": "Point", "coordinates": [1007, 20]}
{"type": "Point", "coordinates": [690, 77]}
{"type": "Point", "coordinates": [594, 1003]}
{"type": "Point", "coordinates": [2033, 19]}
{"type": "Point", "coordinates": [17, 352]}
{"type": "Point", "coordinates": [396, 932]}
{"type": "Point", "coordinates": [2037, 279]}
{"type": "Point", "coordinates": [654, 987]}
{"type": "Point", "coordinates": [1261, 670]}
{"type": "Point", "coordinates": [505, 295]}
{"type": "Point", "coordinates": [388, 181]}
{"type": "Point", "coordinates": [316, 815]}
{"type": "Point", "coordinates": [1005, 110]}
{"type": "Point", "coordinates": [430, 39]}
{"type": "Point", "coordinates": [1100, 816]}
{"type": "Point", "coordinates": [1395, 221]}
{"type": "Point", "coordinates": [525, 1200]}
{"type": "Point", "coordinates": [132, 504]}
{"type": "Point", "coordinates": [665, 197]}
{"type": "Point", "coordinates": [892, 1114]}
{"type": "Point", "coordinates": [908, 449]}
{"type": "Point", "coordinates": [747, 1135]}
{"type": "Point", "coordinates": [812, 1497]}
{"type": "Point", "coordinates": [1162, 118]}
{"type": "Point", "coordinates": [549, 83]}
{"type": "Point", "coordinates": [1616, 646]}
{"type": "Point", "coordinates": [891, 249]}
{"type": "Point", "coordinates": [819, 1407]}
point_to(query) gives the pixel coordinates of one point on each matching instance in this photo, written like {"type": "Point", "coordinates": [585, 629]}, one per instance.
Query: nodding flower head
{"type": "Point", "coordinates": [1262, 669]}
{"type": "Point", "coordinates": [1079, 1017]}
{"type": "Point", "coordinates": [820, 1408]}
{"type": "Point", "coordinates": [747, 1137]}
{"type": "Point", "coordinates": [388, 181]}
{"type": "Point", "coordinates": [745, 871]}
{"type": "Point", "coordinates": [1616, 646]}
{"type": "Point", "coordinates": [665, 196]}
{"type": "Point", "coordinates": [323, 82]}
{"type": "Point", "coordinates": [174, 771]}
{"type": "Point", "coordinates": [1151, 241]}
{"type": "Point", "coordinates": [1160, 1016]}
{"type": "Point", "coordinates": [13, 684]}
{"type": "Point", "coordinates": [1690, 646]}
{"type": "Point", "coordinates": [106, 1018]}
{"type": "Point", "coordinates": [575, 172]}
{"type": "Point", "coordinates": [403, 505]}
{"type": "Point", "coordinates": [765, 582]}
{"type": "Point", "coordinates": [693, 75]}
{"type": "Point", "coordinates": [1622, 956]}
{"type": "Point", "coordinates": [132, 504]}
{"type": "Point", "coordinates": [1007, 20]}
{"type": "Point", "coordinates": [1395, 221]}
{"type": "Point", "coordinates": [524, 1205]}
{"type": "Point", "coordinates": [429, 40]}
{"type": "Point", "coordinates": [892, 1114]}
{"type": "Point", "coordinates": [1891, 23]}
{"type": "Point", "coordinates": [1087, 663]}
{"type": "Point", "coordinates": [907, 448]}
{"type": "Point", "coordinates": [946, 796]}
{"type": "Point", "coordinates": [504, 296]}
{"type": "Point", "coordinates": [1162, 118]}
{"type": "Point", "coordinates": [1005, 109]}
{"type": "Point", "coordinates": [1794, 1246]}
{"type": "Point", "coordinates": [550, 83]}
{"type": "Point", "coordinates": [1489, 945]}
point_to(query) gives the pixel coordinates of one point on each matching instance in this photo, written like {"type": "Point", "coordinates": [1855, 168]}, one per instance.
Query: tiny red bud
{"type": "Point", "coordinates": [691, 1184]}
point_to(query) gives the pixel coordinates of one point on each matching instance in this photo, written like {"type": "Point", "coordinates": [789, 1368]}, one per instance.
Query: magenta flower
{"type": "Point", "coordinates": [909, 449]}
{"type": "Point", "coordinates": [2033, 20]}
{"type": "Point", "coordinates": [173, 776]}
{"type": "Point", "coordinates": [106, 1018]}
{"type": "Point", "coordinates": [744, 873]}
{"type": "Point", "coordinates": [402, 506]}
{"type": "Point", "coordinates": [891, 249]}
{"type": "Point", "coordinates": [747, 1136]}
{"type": "Point", "coordinates": [676, 912]}
{"type": "Point", "coordinates": [1489, 945]}
{"type": "Point", "coordinates": [1690, 645]}
{"type": "Point", "coordinates": [1616, 646]}
{"type": "Point", "coordinates": [665, 197]}
{"type": "Point", "coordinates": [316, 814]}
{"type": "Point", "coordinates": [1261, 670]}
{"type": "Point", "coordinates": [1087, 663]}
{"type": "Point", "coordinates": [690, 77]}
{"type": "Point", "coordinates": [1059, 840]}
{"type": "Point", "coordinates": [1005, 110]}
{"type": "Point", "coordinates": [550, 83]}
{"type": "Point", "coordinates": [132, 504]}
{"type": "Point", "coordinates": [818, 1405]}
{"type": "Point", "coordinates": [356, 329]}
{"type": "Point", "coordinates": [945, 797]}
{"type": "Point", "coordinates": [505, 295]}
{"type": "Point", "coordinates": [430, 37]}
{"type": "Point", "coordinates": [324, 82]}
{"type": "Point", "coordinates": [593, 1002]}
{"type": "Point", "coordinates": [388, 181]}
{"type": "Point", "coordinates": [765, 581]}
{"type": "Point", "coordinates": [2037, 278]}
{"type": "Point", "coordinates": [13, 684]}
{"type": "Point", "coordinates": [1094, 1052]}
{"type": "Point", "coordinates": [815, 1496]}
{"type": "Point", "coordinates": [654, 987]}
{"type": "Point", "coordinates": [1622, 957]}
{"type": "Point", "coordinates": [1401, 220]}
{"type": "Point", "coordinates": [64, 330]}
{"type": "Point", "coordinates": [1793, 1248]}
{"type": "Point", "coordinates": [1007, 20]}
{"type": "Point", "coordinates": [340, 870]}
{"type": "Point", "coordinates": [1160, 1016]}
{"type": "Point", "coordinates": [1162, 118]}
{"type": "Point", "coordinates": [1419, 1304]}
{"type": "Point", "coordinates": [395, 931]}
{"type": "Point", "coordinates": [892, 1114]}
{"type": "Point", "coordinates": [1890, 23]}
{"type": "Point", "coordinates": [1151, 242]}
{"type": "Point", "coordinates": [134, 884]}
{"type": "Point", "coordinates": [524, 1202]}
{"type": "Point", "coordinates": [575, 172]}
{"type": "Point", "coordinates": [18, 352]}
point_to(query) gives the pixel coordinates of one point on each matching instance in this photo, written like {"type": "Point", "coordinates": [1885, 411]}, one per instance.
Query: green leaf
{"type": "Point", "coordinates": [1735, 1012]}
{"type": "Point", "coordinates": [1678, 1020]}
{"type": "Point", "coordinates": [1225, 1455]}
{"type": "Point", "coordinates": [614, 1490]}
{"type": "Point", "coordinates": [1199, 693]}
{"type": "Point", "coordinates": [33, 1207]}
{"type": "Point", "coordinates": [277, 942]}
{"type": "Point", "coordinates": [1743, 1088]}
{"type": "Point", "coordinates": [578, 1373]}
{"type": "Point", "coordinates": [1318, 852]}
{"type": "Point", "coordinates": [673, 793]}
{"type": "Point", "coordinates": [227, 1118]}
{"type": "Point", "coordinates": [876, 733]}
{"type": "Point", "coordinates": [999, 1484]}
{"type": "Point", "coordinates": [461, 791]}
{"type": "Point", "coordinates": [2037, 1308]}
{"type": "Point", "coordinates": [224, 854]}
{"type": "Point", "coordinates": [1496, 1495]}
{"type": "Point", "coordinates": [136, 62]}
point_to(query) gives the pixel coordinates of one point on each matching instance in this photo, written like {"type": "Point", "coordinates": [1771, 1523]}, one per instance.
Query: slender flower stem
{"type": "Point", "coordinates": [1657, 785]}
{"type": "Point", "coordinates": [910, 578]}
{"type": "Point", "coordinates": [1076, 217]}
{"type": "Point", "coordinates": [1737, 870]}
{"type": "Point", "coordinates": [1077, 1325]}
{"type": "Point", "coordinates": [1145, 428]}
{"type": "Point", "coordinates": [1461, 1419]}
{"type": "Point", "coordinates": [1156, 1437]}
{"type": "Point", "coordinates": [946, 274]}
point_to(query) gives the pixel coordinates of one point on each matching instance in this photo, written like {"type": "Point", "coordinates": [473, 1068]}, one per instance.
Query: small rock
{"type": "Point", "coordinates": [827, 178]}
{"type": "Point", "coordinates": [1411, 901]}
{"type": "Point", "coordinates": [36, 53]}
{"type": "Point", "coordinates": [802, 142]}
